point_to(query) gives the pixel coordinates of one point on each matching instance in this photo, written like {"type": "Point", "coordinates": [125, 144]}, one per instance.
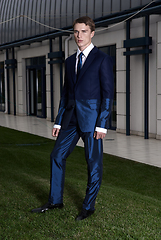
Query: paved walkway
{"type": "Point", "coordinates": [131, 147]}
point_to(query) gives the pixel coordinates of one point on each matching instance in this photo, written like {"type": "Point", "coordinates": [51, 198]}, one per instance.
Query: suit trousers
{"type": "Point", "coordinates": [64, 145]}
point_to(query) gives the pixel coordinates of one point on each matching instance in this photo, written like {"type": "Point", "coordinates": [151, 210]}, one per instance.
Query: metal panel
{"type": "Point", "coordinates": [1, 17]}
{"type": "Point", "coordinates": [70, 12]}
{"type": "Point", "coordinates": [7, 23]}
{"type": "Point", "coordinates": [116, 6]}
{"type": "Point", "coordinates": [144, 2]}
{"type": "Point", "coordinates": [17, 22]}
{"type": "Point", "coordinates": [21, 24]}
{"type": "Point", "coordinates": [57, 14]}
{"type": "Point", "coordinates": [38, 16]}
{"type": "Point", "coordinates": [47, 14]}
{"type": "Point", "coordinates": [90, 8]}
{"type": "Point", "coordinates": [25, 20]}
{"type": "Point", "coordinates": [42, 14]}
{"type": "Point", "coordinates": [33, 15]}
{"type": "Point", "coordinates": [138, 42]}
{"type": "Point", "coordinates": [125, 4]}
{"type": "Point", "coordinates": [107, 7]}
{"type": "Point", "coordinates": [98, 9]}
{"type": "Point", "coordinates": [83, 8]}
{"type": "Point", "coordinates": [29, 22]}
{"type": "Point", "coordinates": [4, 24]}
{"type": "Point", "coordinates": [76, 9]}
{"type": "Point", "coordinates": [63, 13]}
{"type": "Point", "coordinates": [14, 20]}
{"type": "Point", "coordinates": [52, 13]}
{"type": "Point", "coordinates": [135, 3]}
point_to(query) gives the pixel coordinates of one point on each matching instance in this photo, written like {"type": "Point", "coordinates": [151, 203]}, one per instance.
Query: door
{"type": "Point", "coordinates": [36, 91]}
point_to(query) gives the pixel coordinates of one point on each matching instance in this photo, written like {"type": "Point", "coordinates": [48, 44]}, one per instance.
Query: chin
{"type": "Point", "coordinates": [79, 44]}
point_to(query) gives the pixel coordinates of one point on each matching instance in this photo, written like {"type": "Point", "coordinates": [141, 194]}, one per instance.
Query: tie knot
{"type": "Point", "coordinates": [80, 55]}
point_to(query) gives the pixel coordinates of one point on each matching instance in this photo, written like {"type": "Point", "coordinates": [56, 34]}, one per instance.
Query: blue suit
{"type": "Point", "coordinates": [85, 104]}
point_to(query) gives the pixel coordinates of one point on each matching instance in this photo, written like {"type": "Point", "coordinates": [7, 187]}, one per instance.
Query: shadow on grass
{"type": "Point", "coordinates": [33, 185]}
{"type": "Point", "coordinates": [73, 194]}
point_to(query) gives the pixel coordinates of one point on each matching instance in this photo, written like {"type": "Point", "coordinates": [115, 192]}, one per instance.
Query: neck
{"type": "Point", "coordinates": [83, 48]}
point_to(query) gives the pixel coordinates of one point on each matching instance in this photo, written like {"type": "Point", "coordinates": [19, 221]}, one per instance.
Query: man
{"type": "Point", "coordinates": [83, 112]}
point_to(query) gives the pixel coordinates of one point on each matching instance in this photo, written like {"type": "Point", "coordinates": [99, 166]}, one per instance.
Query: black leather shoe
{"type": "Point", "coordinates": [46, 207]}
{"type": "Point", "coordinates": [84, 214]}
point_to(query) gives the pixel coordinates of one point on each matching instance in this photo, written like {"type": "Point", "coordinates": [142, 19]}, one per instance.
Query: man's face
{"type": "Point", "coordinates": [82, 35]}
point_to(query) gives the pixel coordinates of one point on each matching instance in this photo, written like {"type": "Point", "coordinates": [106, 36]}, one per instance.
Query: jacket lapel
{"type": "Point", "coordinates": [88, 62]}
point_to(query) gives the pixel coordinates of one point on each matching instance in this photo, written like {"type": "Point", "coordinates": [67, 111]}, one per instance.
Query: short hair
{"type": "Point", "coordinates": [87, 21]}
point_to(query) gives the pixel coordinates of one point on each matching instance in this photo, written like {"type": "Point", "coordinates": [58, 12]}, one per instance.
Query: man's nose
{"type": "Point", "coordinates": [79, 34]}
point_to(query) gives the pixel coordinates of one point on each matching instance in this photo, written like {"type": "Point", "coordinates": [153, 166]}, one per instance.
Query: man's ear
{"type": "Point", "coordinates": [92, 34]}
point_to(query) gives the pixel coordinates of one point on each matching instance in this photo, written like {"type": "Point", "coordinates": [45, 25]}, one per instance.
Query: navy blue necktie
{"type": "Point", "coordinates": [79, 65]}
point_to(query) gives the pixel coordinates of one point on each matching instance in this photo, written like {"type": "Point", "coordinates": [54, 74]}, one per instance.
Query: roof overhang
{"type": "Point", "coordinates": [153, 8]}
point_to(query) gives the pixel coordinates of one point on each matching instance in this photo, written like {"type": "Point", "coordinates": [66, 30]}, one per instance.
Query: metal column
{"type": "Point", "coordinates": [61, 66]}
{"type": "Point", "coordinates": [8, 85]}
{"type": "Point", "coordinates": [14, 89]}
{"type": "Point", "coordinates": [146, 99]}
{"type": "Point", "coordinates": [128, 82]}
{"type": "Point", "coordinates": [56, 58]}
{"type": "Point", "coordinates": [51, 84]}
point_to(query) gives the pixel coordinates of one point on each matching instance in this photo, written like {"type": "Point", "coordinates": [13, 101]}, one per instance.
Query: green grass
{"type": "Point", "coordinates": [128, 205]}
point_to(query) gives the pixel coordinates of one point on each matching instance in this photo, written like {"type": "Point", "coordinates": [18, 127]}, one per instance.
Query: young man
{"type": "Point", "coordinates": [84, 112]}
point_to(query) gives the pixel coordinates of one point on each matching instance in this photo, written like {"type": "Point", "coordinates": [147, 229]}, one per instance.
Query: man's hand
{"type": "Point", "coordinates": [55, 132]}
{"type": "Point", "coordinates": [98, 135]}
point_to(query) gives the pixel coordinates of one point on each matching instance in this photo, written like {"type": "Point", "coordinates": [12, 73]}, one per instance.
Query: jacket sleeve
{"type": "Point", "coordinates": [107, 90]}
{"type": "Point", "coordinates": [63, 101]}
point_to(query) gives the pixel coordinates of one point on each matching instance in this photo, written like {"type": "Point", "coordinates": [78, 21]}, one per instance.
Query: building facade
{"type": "Point", "coordinates": [36, 37]}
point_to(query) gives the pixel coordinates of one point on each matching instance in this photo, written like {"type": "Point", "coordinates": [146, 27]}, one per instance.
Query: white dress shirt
{"type": "Point", "coordinates": [84, 57]}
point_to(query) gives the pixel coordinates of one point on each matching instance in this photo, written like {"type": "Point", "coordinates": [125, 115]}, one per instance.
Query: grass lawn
{"type": "Point", "coordinates": [128, 205]}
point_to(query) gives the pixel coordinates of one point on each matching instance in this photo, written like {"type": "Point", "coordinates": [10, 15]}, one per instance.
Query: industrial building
{"type": "Point", "coordinates": [36, 37]}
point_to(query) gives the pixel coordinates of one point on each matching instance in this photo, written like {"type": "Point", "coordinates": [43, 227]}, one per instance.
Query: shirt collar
{"type": "Point", "coordinates": [86, 50]}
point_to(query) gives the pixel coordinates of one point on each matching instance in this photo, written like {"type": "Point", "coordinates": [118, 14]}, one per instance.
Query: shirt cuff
{"type": "Point", "coordinates": [57, 126]}
{"type": "Point", "coordinates": [102, 130]}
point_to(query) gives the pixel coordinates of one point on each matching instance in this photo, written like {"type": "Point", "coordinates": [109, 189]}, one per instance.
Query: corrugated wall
{"type": "Point", "coordinates": [56, 13]}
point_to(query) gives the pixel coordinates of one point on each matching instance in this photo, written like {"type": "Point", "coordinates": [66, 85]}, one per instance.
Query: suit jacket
{"type": "Point", "coordinates": [90, 95]}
